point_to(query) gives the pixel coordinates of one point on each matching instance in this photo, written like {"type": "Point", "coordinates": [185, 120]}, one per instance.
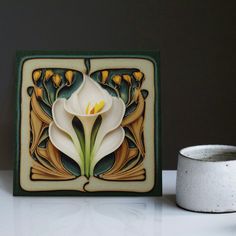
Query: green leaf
{"type": "Point", "coordinates": [79, 130]}
{"type": "Point", "coordinates": [131, 108]}
{"type": "Point", "coordinates": [46, 108]}
{"type": "Point", "coordinates": [96, 76]}
{"type": "Point", "coordinates": [110, 90]}
{"type": "Point", "coordinates": [144, 93]}
{"type": "Point", "coordinates": [95, 129]}
{"type": "Point", "coordinates": [124, 92]}
{"type": "Point", "coordinates": [70, 165]}
{"type": "Point", "coordinates": [30, 90]}
{"type": "Point", "coordinates": [45, 96]}
{"type": "Point", "coordinates": [51, 90]}
{"type": "Point", "coordinates": [104, 164]}
{"type": "Point", "coordinates": [66, 91]}
{"type": "Point", "coordinates": [131, 139]}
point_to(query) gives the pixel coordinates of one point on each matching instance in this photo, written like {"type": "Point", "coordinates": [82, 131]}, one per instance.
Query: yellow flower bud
{"type": "Point", "coordinates": [69, 76]}
{"type": "Point", "coordinates": [127, 78]}
{"type": "Point", "coordinates": [138, 75]}
{"type": "Point", "coordinates": [37, 75]}
{"type": "Point", "coordinates": [48, 74]}
{"type": "Point", "coordinates": [104, 76]}
{"type": "Point", "coordinates": [56, 80]}
{"type": "Point", "coordinates": [38, 92]}
{"type": "Point", "coordinates": [117, 79]}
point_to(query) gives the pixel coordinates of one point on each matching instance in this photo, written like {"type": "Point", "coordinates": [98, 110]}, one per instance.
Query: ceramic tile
{"type": "Point", "coordinates": [87, 124]}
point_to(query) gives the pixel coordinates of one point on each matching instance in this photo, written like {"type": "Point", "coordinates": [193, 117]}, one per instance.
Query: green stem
{"type": "Point", "coordinates": [91, 160]}
{"type": "Point", "coordinates": [129, 98]}
{"type": "Point", "coordinates": [117, 90]}
{"type": "Point", "coordinates": [59, 90]}
{"type": "Point", "coordinates": [48, 97]}
{"type": "Point", "coordinates": [46, 103]}
{"type": "Point", "coordinates": [87, 156]}
{"type": "Point", "coordinates": [112, 88]}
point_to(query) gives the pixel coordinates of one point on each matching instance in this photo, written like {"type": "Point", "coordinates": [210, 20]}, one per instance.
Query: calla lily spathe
{"type": "Point", "coordinates": [89, 103]}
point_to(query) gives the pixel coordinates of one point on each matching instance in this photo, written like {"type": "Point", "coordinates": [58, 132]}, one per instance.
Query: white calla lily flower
{"type": "Point", "coordinates": [86, 127]}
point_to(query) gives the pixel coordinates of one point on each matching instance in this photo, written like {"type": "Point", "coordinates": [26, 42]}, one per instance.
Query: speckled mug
{"type": "Point", "coordinates": [206, 178]}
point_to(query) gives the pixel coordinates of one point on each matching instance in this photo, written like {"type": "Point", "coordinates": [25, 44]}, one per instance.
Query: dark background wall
{"type": "Point", "coordinates": [197, 40]}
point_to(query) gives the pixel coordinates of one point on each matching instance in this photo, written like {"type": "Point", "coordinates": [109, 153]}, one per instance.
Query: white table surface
{"type": "Point", "coordinates": [85, 216]}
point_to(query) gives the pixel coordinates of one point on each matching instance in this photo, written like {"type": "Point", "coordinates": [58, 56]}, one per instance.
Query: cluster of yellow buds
{"type": "Point", "coordinates": [69, 77]}
{"type": "Point", "coordinates": [138, 75]}
{"type": "Point", "coordinates": [37, 75]}
{"type": "Point", "coordinates": [57, 79]}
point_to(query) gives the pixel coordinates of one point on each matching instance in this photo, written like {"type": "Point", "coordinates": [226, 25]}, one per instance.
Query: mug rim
{"type": "Point", "coordinates": [202, 146]}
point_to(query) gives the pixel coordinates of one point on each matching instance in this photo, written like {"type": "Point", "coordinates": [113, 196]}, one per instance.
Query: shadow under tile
{"type": "Point", "coordinates": [6, 181]}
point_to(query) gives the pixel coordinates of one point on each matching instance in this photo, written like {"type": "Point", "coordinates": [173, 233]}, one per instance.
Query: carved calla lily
{"type": "Point", "coordinates": [86, 127]}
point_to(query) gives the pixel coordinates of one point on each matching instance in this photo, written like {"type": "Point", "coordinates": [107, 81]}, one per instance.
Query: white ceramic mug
{"type": "Point", "coordinates": [206, 178]}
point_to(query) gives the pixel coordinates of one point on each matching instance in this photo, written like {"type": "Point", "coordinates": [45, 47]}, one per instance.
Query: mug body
{"type": "Point", "coordinates": [206, 178]}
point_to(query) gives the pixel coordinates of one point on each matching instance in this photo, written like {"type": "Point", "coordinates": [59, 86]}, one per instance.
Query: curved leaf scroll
{"type": "Point", "coordinates": [49, 84]}
{"type": "Point", "coordinates": [126, 84]}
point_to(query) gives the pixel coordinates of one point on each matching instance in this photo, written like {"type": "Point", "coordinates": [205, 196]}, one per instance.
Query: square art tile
{"type": "Point", "coordinates": [87, 124]}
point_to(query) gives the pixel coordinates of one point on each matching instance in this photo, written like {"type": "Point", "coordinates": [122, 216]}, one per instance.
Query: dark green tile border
{"type": "Point", "coordinates": [153, 56]}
